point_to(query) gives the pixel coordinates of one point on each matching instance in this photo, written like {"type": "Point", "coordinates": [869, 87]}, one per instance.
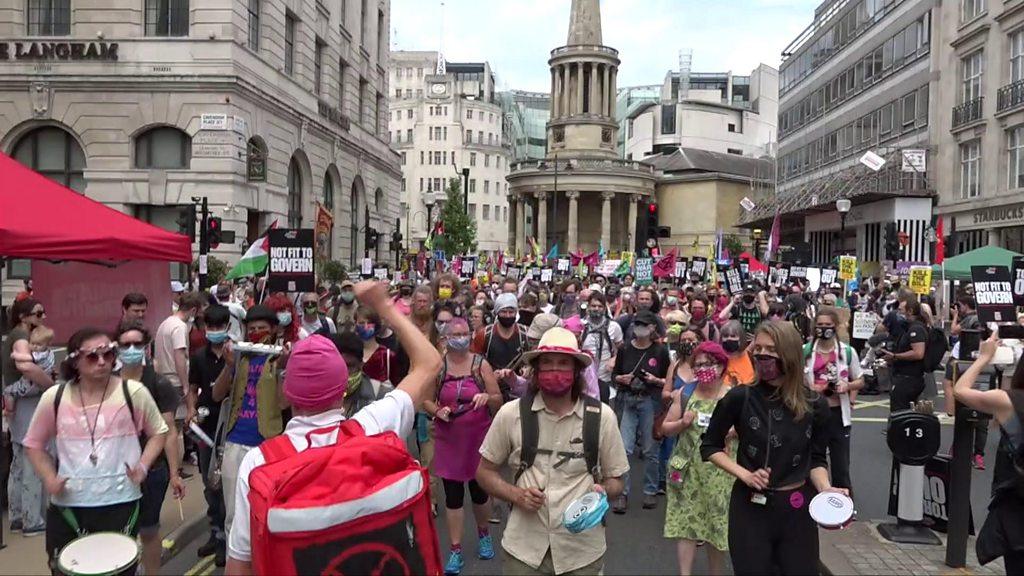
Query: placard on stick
{"type": "Point", "coordinates": [993, 290]}
{"type": "Point", "coordinates": [292, 264]}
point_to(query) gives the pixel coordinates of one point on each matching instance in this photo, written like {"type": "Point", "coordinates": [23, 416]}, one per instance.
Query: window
{"type": "Point", "coordinates": [408, 93]}
{"type": "Point", "coordinates": [294, 195]}
{"type": "Point", "coordinates": [668, 119]}
{"type": "Point", "coordinates": [419, 72]}
{"type": "Point", "coordinates": [419, 93]}
{"type": "Point", "coordinates": [404, 157]}
{"type": "Point", "coordinates": [398, 93]}
{"type": "Point", "coordinates": [972, 70]}
{"type": "Point", "coordinates": [437, 159]}
{"type": "Point", "coordinates": [487, 160]}
{"type": "Point", "coordinates": [490, 118]}
{"type": "Point", "coordinates": [421, 185]}
{"type": "Point", "coordinates": [472, 211]}
{"type": "Point", "coordinates": [472, 185]}
{"type": "Point", "coordinates": [361, 111]}
{"type": "Point", "coordinates": [1015, 150]}
{"type": "Point", "coordinates": [329, 192]}
{"type": "Point", "coordinates": [971, 9]}
{"type": "Point", "coordinates": [421, 157]}
{"type": "Point", "coordinates": [736, 151]}
{"type": "Point", "coordinates": [487, 212]}
{"type": "Point", "coordinates": [732, 127]}
{"type": "Point", "coordinates": [444, 133]}
{"type": "Point", "coordinates": [342, 72]}
{"type": "Point", "coordinates": [970, 169]}
{"type": "Point", "coordinates": [480, 115]}
{"type": "Point", "coordinates": [480, 135]}
{"type": "Point", "coordinates": [344, 12]}
{"type": "Point", "coordinates": [472, 159]}
{"type": "Point", "coordinates": [165, 17]}
{"type": "Point", "coordinates": [362, 23]}
{"type": "Point", "coordinates": [318, 66]}
{"type": "Point", "coordinates": [55, 154]}
{"type": "Point", "coordinates": [504, 213]}
{"type": "Point", "coordinates": [289, 43]}
{"type": "Point", "coordinates": [437, 185]}
{"type": "Point", "coordinates": [909, 109]}
{"type": "Point", "coordinates": [487, 186]}
{"type": "Point", "coordinates": [379, 101]}
{"type": "Point", "coordinates": [497, 161]}
{"type": "Point", "coordinates": [408, 135]}
{"type": "Point", "coordinates": [408, 113]}
{"type": "Point", "coordinates": [254, 25]}
{"type": "Point", "coordinates": [469, 136]}
{"type": "Point", "coordinates": [469, 114]}
{"type": "Point", "coordinates": [162, 148]}
{"type": "Point", "coordinates": [382, 48]}
{"type": "Point", "coordinates": [1017, 56]}
{"type": "Point", "coordinates": [444, 157]}
{"type": "Point", "coordinates": [49, 17]}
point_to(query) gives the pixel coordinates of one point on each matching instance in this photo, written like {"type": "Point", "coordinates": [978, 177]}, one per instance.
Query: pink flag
{"type": "Point", "coordinates": [773, 238]}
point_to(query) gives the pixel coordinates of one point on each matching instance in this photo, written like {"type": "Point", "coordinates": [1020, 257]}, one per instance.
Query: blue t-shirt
{"type": "Point", "coordinates": [247, 429]}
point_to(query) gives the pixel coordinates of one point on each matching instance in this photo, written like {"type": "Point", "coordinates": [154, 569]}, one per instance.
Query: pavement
{"type": "Point", "coordinates": [178, 529]}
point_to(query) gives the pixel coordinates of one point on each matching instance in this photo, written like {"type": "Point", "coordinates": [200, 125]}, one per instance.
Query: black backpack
{"type": "Point", "coordinates": [531, 436]}
{"type": "Point", "coordinates": [935, 349]}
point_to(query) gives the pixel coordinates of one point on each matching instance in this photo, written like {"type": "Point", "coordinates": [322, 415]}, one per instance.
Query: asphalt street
{"type": "Point", "coordinates": [635, 542]}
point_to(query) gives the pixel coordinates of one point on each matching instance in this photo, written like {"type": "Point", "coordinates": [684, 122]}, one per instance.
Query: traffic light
{"type": "Point", "coordinates": [213, 232]}
{"type": "Point", "coordinates": [892, 242]}
{"type": "Point", "coordinates": [396, 241]}
{"type": "Point", "coordinates": [652, 221]}
{"type": "Point", "coordinates": [187, 221]}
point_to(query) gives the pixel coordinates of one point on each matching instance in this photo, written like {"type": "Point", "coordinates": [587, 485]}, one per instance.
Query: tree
{"type": "Point", "coordinates": [734, 245]}
{"type": "Point", "coordinates": [216, 269]}
{"type": "Point", "coordinates": [332, 271]}
{"type": "Point", "coordinates": [459, 235]}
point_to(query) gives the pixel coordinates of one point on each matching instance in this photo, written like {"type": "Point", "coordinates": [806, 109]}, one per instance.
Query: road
{"type": "Point", "coordinates": [635, 542]}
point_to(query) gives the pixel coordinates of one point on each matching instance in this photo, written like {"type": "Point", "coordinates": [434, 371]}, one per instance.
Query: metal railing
{"type": "Point", "coordinates": [968, 112]}
{"type": "Point", "coordinates": [609, 165]}
{"type": "Point", "coordinates": [1010, 96]}
{"type": "Point", "coordinates": [584, 48]}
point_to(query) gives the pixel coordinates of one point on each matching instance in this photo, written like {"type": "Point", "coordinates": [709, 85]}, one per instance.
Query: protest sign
{"type": "Point", "coordinates": [467, 267]}
{"type": "Point", "coordinates": [513, 272]}
{"type": "Point", "coordinates": [699, 266]}
{"type": "Point", "coordinates": [864, 324]}
{"type": "Point", "coordinates": [366, 267]}
{"type": "Point", "coordinates": [608, 267]}
{"type": "Point", "coordinates": [546, 275]}
{"type": "Point", "coordinates": [644, 271]}
{"type": "Point", "coordinates": [814, 282]}
{"type": "Point", "coordinates": [291, 267]}
{"type": "Point", "coordinates": [681, 268]}
{"type": "Point", "coordinates": [734, 281]}
{"type": "Point", "coordinates": [920, 279]}
{"type": "Point", "coordinates": [744, 268]}
{"type": "Point", "coordinates": [563, 265]}
{"type": "Point", "coordinates": [1017, 274]}
{"type": "Point", "coordinates": [994, 292]}
{"type": "Point", "coordinates": [828, 276]}
{"type": "Point", "coordinates": [848, 267]}
{"type": "Point", "coordinates": [380, 273]}
{"type": "Point", "coordinates": [798, 272]}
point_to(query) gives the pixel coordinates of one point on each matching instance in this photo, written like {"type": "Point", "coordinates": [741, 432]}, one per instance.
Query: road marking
{"type": "Point", "coordinates": [874, 404]}
{"type": "Point", "coordinates": [942, 421]}
{"type": "Point", "coordinates": [201, 567]}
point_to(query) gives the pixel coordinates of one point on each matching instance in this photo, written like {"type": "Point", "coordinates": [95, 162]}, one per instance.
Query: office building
{"type": "Point", "coordinates": [526, 118]}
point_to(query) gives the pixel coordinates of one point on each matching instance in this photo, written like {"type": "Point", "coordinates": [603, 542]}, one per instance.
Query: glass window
{"type": "Point", "coordinates": [254, 24]}
{"type": "Point", "coordinates": [487, 212]}
{"type": "Point", "coordinates": [1015, 153]}
{"type": "Point", "coordinates": [909, 109]}
{"type": "Point", "coordinates": [289, 43]}
{"type": "Point", "coordinates": [668, 119]}
{"type": "Point", "coordinates": [361, 112]}
{"type": "Point", "coordinates": [972, 71]}
{"type": "Point", "coordinates": [163, 148]}
{"type": "Point", "coordinates": [487, 186]}
{"type": "Point", "coordinates": [408, 135]}
{"type": "Point", "coordinates": [472, 159]}
{"type": "Point", "coordinates": [166, 17]}
{"type": "Point", "coordinates": [472, 186]}
{"type": "Point", "coordinates": [342, 71]}
{"type": "Point", "coordinates": [318, 66]}
{"type": "Point", "coordinates": [49, 17]}
{"type": "Point", "coordinates": [487, 160]}
{"type": "Point", "coordinates": [970, 169]}
{"type": "Point", "coordinates": [53, 153]}
{"type": "Point", "coordinates": [294, 195]}
{"type": "Point", "coordinates": [329, 192]}
{"type": "Point", "coordinates": [1017, 55]}
{"type": "Point", "coordinates": [971, 9]}
{"type": "Point", "coordinates": [472, 210]}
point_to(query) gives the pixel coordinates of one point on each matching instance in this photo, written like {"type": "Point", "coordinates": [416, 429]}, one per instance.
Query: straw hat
{"type": "Point", "coordinates": [558, 340]}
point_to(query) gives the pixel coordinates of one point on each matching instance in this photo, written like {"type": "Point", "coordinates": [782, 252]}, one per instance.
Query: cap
{"type": "Point", "coordinates": [645, 317]}
{"type": "Point", "coordinates": [504, 301]}
{"type": "Point", "coordinates": [541, 324]}
{"type": "Point", "coordinates": [316, 375]}
{"type": "Point", "coordinates": [261, 312]}
{"type": "Point", "coordinates": [347, 284]}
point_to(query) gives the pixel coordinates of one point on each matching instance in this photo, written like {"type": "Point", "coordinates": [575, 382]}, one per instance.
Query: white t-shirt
{"type": "Point", "coordinates": [309, 328]}
{"type": "Point", "coordinates": [392, 413]}
{"type": "Point", "coordinates": [595, 340]}
{"type": "Point", "coordinates": [170, 336]}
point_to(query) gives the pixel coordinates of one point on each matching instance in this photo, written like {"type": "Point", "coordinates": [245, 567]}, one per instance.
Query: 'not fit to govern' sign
{"type": "Point", "coordinates": [291, 267]}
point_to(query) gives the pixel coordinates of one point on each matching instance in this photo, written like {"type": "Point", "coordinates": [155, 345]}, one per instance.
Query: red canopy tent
{"type": "Point", "coordinates": [43, 220]}
{"type": "Point", "coordinates": [755, 264]}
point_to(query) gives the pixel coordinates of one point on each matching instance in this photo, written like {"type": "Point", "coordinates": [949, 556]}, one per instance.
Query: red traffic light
{"type": "Point", "coordinates": [652, 208]}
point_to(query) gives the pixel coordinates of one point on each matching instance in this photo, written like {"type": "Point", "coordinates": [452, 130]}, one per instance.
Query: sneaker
{"type": "Point", "coordinates": [661, 488]}
{"type": "Point", "coordinates": [621, 504]}
{"type": "Point", "coordinates": [16, 526]}
{"type": "Point", "coordinates": [650, 501]}
{"type": "Point", "coordinates": [978, 462]}
{"type": "Point", "coordinates": [220, 556]}
{"type": "Point", "coordinates": [454, 565]}
{"type": "Point", "coordinates": [485, 549]}
{"type": "Point", "coordinates": [30, 532]}
{"type": "Point", "coordinates": [496, 513]}
{"type": "Point", "coordinates": [209, 548]}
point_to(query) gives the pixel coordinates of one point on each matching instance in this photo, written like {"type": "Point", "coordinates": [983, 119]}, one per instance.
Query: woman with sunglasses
{"type": "Point", "coordinates": [25, 489]}
{"type": "Point", "coordinates": [96, 419]}
{"type": "Point", "coordinates": [698, 492]}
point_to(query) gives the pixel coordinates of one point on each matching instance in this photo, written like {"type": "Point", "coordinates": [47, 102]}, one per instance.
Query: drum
{"type": "Point", "coordinates": [585, 513]}
{"type": "Point", "coordinates": [831, 510]}
{"type": "Point", "coordinates": [102, 554]}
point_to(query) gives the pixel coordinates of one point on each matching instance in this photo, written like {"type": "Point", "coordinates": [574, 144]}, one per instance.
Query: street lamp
{"type": "Point", "coordinates": [758, 234]}
{"type": "Point", "coordinates": [429, 202]}
{"type": "Point", "coordinates": [843, 205]}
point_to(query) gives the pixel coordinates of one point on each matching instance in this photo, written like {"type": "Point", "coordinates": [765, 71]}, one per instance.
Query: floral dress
{"type": "Point", "coordinates": [698, 491]}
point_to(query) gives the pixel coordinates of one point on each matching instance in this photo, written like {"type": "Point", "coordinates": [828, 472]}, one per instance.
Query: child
{"type": "Point", "coordinates": [39, 342]}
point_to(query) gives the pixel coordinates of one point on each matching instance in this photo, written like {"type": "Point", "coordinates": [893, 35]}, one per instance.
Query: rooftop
{"type": "Point", "coordinates": [691, 160]}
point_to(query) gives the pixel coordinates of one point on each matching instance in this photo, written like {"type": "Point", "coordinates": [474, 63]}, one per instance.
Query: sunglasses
{"type": "Point", "coordinates": [309, 304]}
{"type": "Point", "coordinates": [677, 323]}
{"type": "Point", "coordinates": [38, 313]}
{"type": "Point", "coordinates": [107, 351]}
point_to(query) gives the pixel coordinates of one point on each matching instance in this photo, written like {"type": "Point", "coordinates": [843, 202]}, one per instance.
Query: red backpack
{"type": "Point", "coordinates": [358, 506]}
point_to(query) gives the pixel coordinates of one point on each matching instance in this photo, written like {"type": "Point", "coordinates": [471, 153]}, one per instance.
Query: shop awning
{"type": "Point", "coordinates": [959, 267]}
{"type": "Point", "coordinates": [43, 220]}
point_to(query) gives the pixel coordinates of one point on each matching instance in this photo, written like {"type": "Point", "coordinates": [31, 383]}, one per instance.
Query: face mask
{"type": "Point", "coordinates": [444, 293]}
{"type": "Point", "coordinates": [675, 330]}
{"type": "Point", "coordinates": [259, 336]}
{"type": "Point", "coordinates": [686, 349]}
{"type": "Point", "coordinates": [706, 376]}
{"type": "Point", "coordinates": [642, 331]}
{"type": "Point", "coordinates": [310, 308]}
{"type": "Point", "coordinates": [569, 299]}
{"type": "Point", "coordinates": [672, 301]}
{"type": "Point", "coordinates": [132, 356]}
{"type": "Point", "coordinates": [440, 327]}
{"type": "Point", "coordinates": [597, 317]}
{"type": "Point", "coordinates": [218, 337]}
{"type": "Point", "coordinates": [723, 302]}
{"type": "Point", "coordinates": [824, 333]}
{"type": "Point", "coordinates": [460, 344]}
{"type": "Point", "coordinates": [355, 381]}
{"type": "Point", "coordinates": [480, 301]}
{"type": "Point", "coordinates": [768, 367]}
{"type": "Point", "coordinates": [556, 382]}
{"type": "Point", "coordinates": [748, 299]}
{"type": "Point", "coordinates": [698, 315]}
{"type": "Point", "coordinates": [284, 319]}
{"type": "Point", "coordinates": [506, 321]}
{"type": "Point", "coordinates": [731, 346]}
{"type": "Point", "coordinates": [366, 332]}
{"type": "Point", "coordinates": [348, 297]}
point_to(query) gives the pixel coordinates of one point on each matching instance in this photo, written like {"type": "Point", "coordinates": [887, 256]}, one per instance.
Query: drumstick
{"type": "Point", "coordinates": [181, 512]}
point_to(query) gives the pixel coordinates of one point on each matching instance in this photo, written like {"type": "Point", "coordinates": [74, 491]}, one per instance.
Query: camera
{"type": "Point", "coordinates": [830, 390]}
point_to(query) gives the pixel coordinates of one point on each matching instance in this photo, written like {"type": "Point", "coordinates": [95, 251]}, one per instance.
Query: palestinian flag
{"type": "Point", "coordinates": [255, 259]}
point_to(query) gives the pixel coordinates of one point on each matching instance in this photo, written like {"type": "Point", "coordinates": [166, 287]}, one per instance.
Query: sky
{"type": "Point", "coordinates": [517, 36]}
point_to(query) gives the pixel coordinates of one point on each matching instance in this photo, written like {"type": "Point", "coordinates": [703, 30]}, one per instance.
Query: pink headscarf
{"type": "Point", "coordinates": [317, 374]}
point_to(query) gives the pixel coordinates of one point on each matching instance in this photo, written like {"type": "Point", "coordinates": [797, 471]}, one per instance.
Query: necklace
{"type": "Point", "coordinates": [93, 457]}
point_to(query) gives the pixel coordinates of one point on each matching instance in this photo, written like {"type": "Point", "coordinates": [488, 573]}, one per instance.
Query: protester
{"type": "Point", "coordinates": [466, 397]}
{"type": "Point", "coordinates": [602, 339]}
{"type": "Point", "coordinates": [965, 317]}
{"type": "Point", "coordinates": [345, 311]}
{"type": "Point", "coordinates": [833, 370]}
{"type": "Point", "coordinates": [315, 388]}
{"type": "Point", "coordinates": [646, 299]}
{"type": "Point", "coordinates": [286, 331]}
{"type": "Point", "coordinates": [422, 309]}
{"type": "Point", "coordinates": [735, 339]}
{"type": "Point", "coordinates": [403, 300]}
{"type": "Point", "coordinates": [236, 311]}
{"type": "Point", "coordinates": [907, 356]}
{"type": "Point", "coordinates": [640, 369]}
{"type": "Point", "coordinates": [479, 317]}
{"type": "Point", "coordinates": [699, 314]}
{"type": "Point", "coordinates": [698, 492]}
{"type": "Point", "coordinates": [133, 342]}
{"type": "Point", "coordinates": [681, 376]}
{"type": "Point", "coordinates": [535, 540]}
{"type": "Point", "coordinates": [1003, 531]}
{"type": "Point", "coordinates": [204, 367]}
{"type": "Point", "coordinates": [134, 306]}
{"type": "Point", "coordinates": [95, 418]}
{"type": "Point", "coordinates": [502, 343]}
{"type": "Point", "coordinates": [25, 382]}
{"type": "Point", "coordinates": [749, 308]}
{"type": "Point", "coordinates": [250, 383]}
{"type": "Point", "coordinates": [313, 321]}
{"type": "Point", "coordinates": [782, 429]}
{"type": "Point", "coordinates": [379, 362]}
{"type": "Point", "coordinates": [528, 308]}
{"type": "Point", "coordinates": [170, 352]}
{"type": "Point", "coordinates": [360, 390]}
{"type": "Point", "coordinates": [446, 286]}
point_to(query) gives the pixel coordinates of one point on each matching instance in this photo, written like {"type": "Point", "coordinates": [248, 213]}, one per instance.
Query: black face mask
{"type": "Point", "coordinates": [685, 349]}
{"type": "Point", "coordinates": [731, 346]}
{"type": "Point", "coordinates": [748, 299]}
{"type": "Point", "coordinates": [506, 322]}
{"type": "Point", "coordinates": [824, 333]}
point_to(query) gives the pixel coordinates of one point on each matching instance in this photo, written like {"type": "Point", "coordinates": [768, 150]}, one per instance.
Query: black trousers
{"type": "Point", "coordinates": [905, 390]}
{"type": "Point", "coordinates": [606, 390]}
{"type": "Point", "coordinates": [778, 537]}
{"type": "Point", "coordinates": [839, 449]}
{"type": "Point", "coordinates": [455, 494]}
{"type": "Point", "coordinates": [214, 498]}
{"type": "Point", "coordinates": [981, 435]}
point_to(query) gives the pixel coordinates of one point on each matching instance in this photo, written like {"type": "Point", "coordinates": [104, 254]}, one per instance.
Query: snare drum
{"type": "Point", "coordinates": [832, 510]}
{"type": "Point", "coordinates": [101, 554]}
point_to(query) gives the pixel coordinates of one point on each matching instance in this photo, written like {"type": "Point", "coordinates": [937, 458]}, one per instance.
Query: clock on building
{"type": "Point", "coordinates": [438, 89]}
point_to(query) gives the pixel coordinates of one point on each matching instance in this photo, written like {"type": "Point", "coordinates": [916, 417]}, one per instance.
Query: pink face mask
{"type": "Point", "coordinates": [556, 382]}
{"type": "Point", "coordinates": [706, 375]}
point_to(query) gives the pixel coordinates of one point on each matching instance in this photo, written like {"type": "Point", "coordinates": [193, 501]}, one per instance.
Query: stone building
{"type": "Point", "coordinates": [265, 108]}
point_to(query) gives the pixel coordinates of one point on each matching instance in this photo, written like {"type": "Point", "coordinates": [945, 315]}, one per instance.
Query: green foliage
{"type": "Point", "coordinates": [332, 271]}
{"type": "Point", "coordinates": [733, 244]}
{"type": "Point", "coordinates": [216, 269]}
{"type": "Point", "coordinates": [459, 230]}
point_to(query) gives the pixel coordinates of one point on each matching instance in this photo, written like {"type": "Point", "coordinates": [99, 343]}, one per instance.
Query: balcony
{"type": "Point", "coordinates": [1010, 96]}
{"type": "Point", "coordinates": [967, 112]}
{"type": "Point", "coordinates": [585, 165]}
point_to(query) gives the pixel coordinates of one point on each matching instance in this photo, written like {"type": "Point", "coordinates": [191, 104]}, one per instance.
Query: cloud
{"type": "Point", "coordinates": [516, 37]}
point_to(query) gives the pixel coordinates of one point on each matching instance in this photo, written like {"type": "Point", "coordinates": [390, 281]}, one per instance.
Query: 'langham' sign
{"type": "Point", "coordinates": [57, 51]}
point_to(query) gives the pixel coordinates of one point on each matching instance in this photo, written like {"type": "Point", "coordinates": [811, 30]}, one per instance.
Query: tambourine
{"type": "Point", "coordinates": [832, 510]}
{"type": "Point", "coordinates": [585, 513]}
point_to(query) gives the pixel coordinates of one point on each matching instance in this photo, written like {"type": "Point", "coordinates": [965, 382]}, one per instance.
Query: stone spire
{"type": "Point", "coordinates": [585, 23]}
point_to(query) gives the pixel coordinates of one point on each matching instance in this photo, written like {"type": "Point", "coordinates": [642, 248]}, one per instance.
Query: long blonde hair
{"type": "Point", "coordinates": [790, 348]}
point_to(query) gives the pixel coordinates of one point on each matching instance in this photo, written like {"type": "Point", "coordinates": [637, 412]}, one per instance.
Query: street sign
{"type": "Point", "coordinates": [872, 161]}
{"type": "Point", "coordinates": [915, 160]}
{"type": "Point", "coordinates": [214, 122]}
